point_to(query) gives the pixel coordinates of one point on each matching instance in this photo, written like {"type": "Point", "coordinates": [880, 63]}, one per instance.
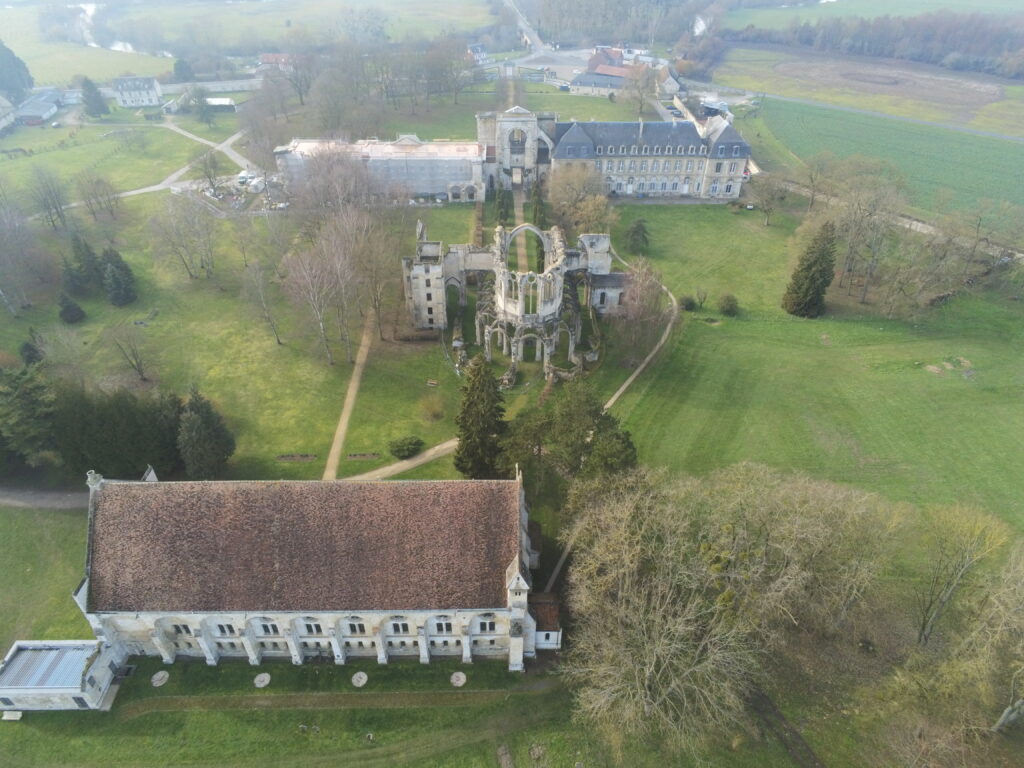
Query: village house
{"type": "Point", "coordinates": [38, 108]}
{"type": "Point", "coordinates": [137, 92]}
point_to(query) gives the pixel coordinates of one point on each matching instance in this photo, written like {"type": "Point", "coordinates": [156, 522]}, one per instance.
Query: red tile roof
{"type": "Point", "coordinates": [546, 609]}
{"type": "Point", "coordinates": [302, 546]}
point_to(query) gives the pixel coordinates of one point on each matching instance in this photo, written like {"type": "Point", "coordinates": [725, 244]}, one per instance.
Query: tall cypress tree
{"type": "Point", "coordinates": [805, 296]}
{"type": "Point", "coordinates": [204, 441]}
{"type": "Point", "coordinates": [480, 423]}
{"type": "Point", "coordinates": [95, 104]}
{"type": "Point", "coordinates": [26, 414]}
{"type": "Point", "coordinates": [85, 259]}
{"type": "Point", "coordinates": [118, 280]}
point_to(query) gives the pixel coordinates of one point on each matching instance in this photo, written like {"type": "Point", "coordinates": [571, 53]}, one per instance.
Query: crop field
{"type": "Point", "coordinates": [903, 89]}
{"type": "Point", "coordinates": [281, 401]}
{"type": "Point", "coordinates": [130, 157]}
{"type": "Point", "coordinates": [52, 63]}
{"type": "Point", "coordinates": [933, 159]}
{"type": "Point", "coordinates": [849, 397]}
{"type": "Point", "coordinates": [270, 21]}
{"type": "Point", "coordinates": [812, 12]}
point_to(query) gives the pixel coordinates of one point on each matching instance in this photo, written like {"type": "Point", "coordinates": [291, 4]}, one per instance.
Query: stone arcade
{"type": "Point", "coordinates": [517, 307]}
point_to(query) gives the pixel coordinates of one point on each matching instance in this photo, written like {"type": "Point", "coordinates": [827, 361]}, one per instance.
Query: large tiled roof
{"type": "Point", "coordinates": [134, 83]}
{"type": "Point", "coordinates": [301, 546]}
{"type": "Point", "coordinates": [598, 80]}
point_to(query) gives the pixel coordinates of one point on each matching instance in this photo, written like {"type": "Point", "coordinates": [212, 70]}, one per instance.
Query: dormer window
{"type": "Point", "coordinates": [668, 150]}
{"type": "Point", "coordinates": [721, 151]}
{"type": "Point", "coordinates": [679, 149]}
{"type": "Point", "coordinates": [632, 151]}
{"type": "Point", "coordinates": [570, 151]}
{"type": "Point", "coordinates": [693, 149]}
{"type": "Point", "coordinates": [622, 149]}
{"type": "Point", "coordinates": [646, 150]}
{"type": "Point", "coordinates": [600, 149]}
{"type": "Point", "coordinates": [657, 150]}
{"type": "Point", "coordinates": [736, 151]}
{"type": "Point", "coordinates": [703, 149]}
{"type": "Point", "coordinates": [611, 150]}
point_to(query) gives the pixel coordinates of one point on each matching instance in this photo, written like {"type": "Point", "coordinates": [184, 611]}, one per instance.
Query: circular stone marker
{"type": "Point", "coordinates": [458, 679]}
{"type": "Point", "coordinates": [262, 680]}
{"type": "Point", "coordinates": [359, 679]}
{"type": "Point", "coordinates": [159, 678]}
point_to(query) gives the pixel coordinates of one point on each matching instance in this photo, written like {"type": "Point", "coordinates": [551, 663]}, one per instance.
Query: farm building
{"type": "Point", "coordinates": [138, 92]}
{"type": "Point", "coordinates": [59, 674]}
{"type": "Point", "coordinates": [38, 108]}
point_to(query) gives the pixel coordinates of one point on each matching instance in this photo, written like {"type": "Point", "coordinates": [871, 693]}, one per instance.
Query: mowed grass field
{"type": "Point", "coordinates": [784, 16]}
{"type": "Point", "coordinates": [53, 63]}
{"type": "Point", "coordinates": [70, 150]}
{"type": "Point", "coordinates": [934, 160]}
{"type": "Point", "coordinates": [271, 20]}
{"type": "Point", "coordinates": [845, 398]}
{"type": "Point", "coordinates": [278, 400]}
{"type": "Point", "coordinates": [568, 106]}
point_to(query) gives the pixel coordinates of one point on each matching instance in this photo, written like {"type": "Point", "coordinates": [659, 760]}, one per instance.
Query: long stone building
{"type": "Point", "coordinates": [706, 159]}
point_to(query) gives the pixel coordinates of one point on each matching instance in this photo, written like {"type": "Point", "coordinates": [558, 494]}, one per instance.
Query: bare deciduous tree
{"type": "Point", "coordinates": [208, 163]}
{"type": "Point", "coordinates": [127, 340]}
{"type": "Point", "coordinates": [958, 540]}
{"type": "Point", "coordinates": [185, 232]}
{"type": "Point", "coordinates": [678, 589]}
{"type": "Point", "coordinates": [644, 310]}
{"type": "Point", "coordinates": [16, 250]}
{"type": "Point", "coordinates": [257, 289]}
{"type": "Point", "coordinates": [767, 192]}
{"type": "Point", "coordinates": [311, 280]}
{"type": "Point", "coordinates": [49, 194]}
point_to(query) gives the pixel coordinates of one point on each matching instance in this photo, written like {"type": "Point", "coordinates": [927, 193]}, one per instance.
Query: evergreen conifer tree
{"type": "Point", "coordinates": [70, 311]}
{"type": "Point", "coordinates": [204, 441]}
{"type": "Point", "coordinates": [87, 263]}
{"type": "Point", "coordinates": [74, 281]}
{"type": "Point", "coordinates": [805, 296]}
{"type": "Point", "coordinates": [118, 280]}
{"type": "Point", "coordinates": [480, 423]}
{"type": "Point", "coordinates": [15, 79]}
{"type": "Point", "coordinates": [637, 236]}
{"type": "Point", "coordinates": [95, 104]}
{"type": "Point", "coordinates": [26, 414]}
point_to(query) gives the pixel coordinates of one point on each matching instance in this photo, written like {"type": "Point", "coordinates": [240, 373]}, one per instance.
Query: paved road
{"type": "Point", "coordinates": [531, 35]}
{"type": "Point", "coordinates": [31, 499]}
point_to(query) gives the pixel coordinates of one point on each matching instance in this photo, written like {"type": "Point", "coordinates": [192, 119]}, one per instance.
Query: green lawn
{"type": "Point", "coordinates": [441, 119]}
{"type": "Point", "coordinates": [69, 150]}
{"type": "Point", "coordinates": [845, 398]}
{"type": "Point", "coordinates": [784, 16]}
{"type": "Point", "coordinates": [52, 63]}
{"type": "Point", "coordinates": [568, 106]}
{"type": "Point", "coordinates": [933, 159]}
{"type": "Point", "coordinates": [43, 552]}
{"type": "Point", "coordinates": [279, 400]}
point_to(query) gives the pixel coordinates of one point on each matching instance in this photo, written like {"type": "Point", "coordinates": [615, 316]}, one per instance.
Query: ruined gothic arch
{"type": "Point", "coordinates": [511, 236]}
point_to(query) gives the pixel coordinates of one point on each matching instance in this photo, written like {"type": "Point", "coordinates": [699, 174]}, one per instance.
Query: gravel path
{"type": "Point", "coordinates": [30, 499]}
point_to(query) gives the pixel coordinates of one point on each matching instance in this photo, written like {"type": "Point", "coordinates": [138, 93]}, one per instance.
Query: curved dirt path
{"type": "Point", "coordinates": [331, 470]}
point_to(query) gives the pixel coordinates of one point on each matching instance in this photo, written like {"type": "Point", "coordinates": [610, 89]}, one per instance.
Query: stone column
{"type": "Point", "coordinates": [382, 650]}
{"type": "Point", "coordinates": [249, 642]}
{"type": "Point", "coordinates": [160, 642]}
{"type": "Point", "coordinates": [467, 641]}
{"type": "Point", "coordinates": [424, 650]}
{"type": "Point", "coordinates": [209, 649]}
{"type": "Point", "coordinates": [337, 645]}
{"type": "Point", "coordinates": [293, 646]}
{"type": "Point", "coordinates": [515, 654]}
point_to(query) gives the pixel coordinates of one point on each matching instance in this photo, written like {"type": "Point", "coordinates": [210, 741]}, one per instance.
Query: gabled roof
{"type": "Point", "coordinates": [571, 143]}
{"type": "Point", "coordinates": [302, 546]}
{"type": "Point", "coordinates": [135, 83]}
{"type": "Point", "coordinates": [517, 110]}
{"type": "Point", "coordinates": [594, 80]}
{"type": "Point", "coordinates": [669, 133]}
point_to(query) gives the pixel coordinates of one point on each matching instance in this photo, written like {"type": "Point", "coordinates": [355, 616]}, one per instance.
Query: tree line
{"type": "Point", "coordinates": [47, 421]}
{"type": "Point", "coordinates": [970, 42]}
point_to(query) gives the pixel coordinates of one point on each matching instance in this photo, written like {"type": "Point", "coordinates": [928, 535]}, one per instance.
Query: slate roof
{"type": "Point", "coordinates": [674, 134]}
{"type": "Point", "coordinates": [301, 546]}
{"type": "Point", "coordinates": [594, 80]}
{"type": "Point", "coordinates": [611, 280]}
{"type": "Point", "coordinates": [134, 84]}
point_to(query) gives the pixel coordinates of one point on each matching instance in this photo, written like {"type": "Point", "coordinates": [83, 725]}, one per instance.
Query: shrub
{"type": "Point", "coordinates": [70, 311]}
{"type": "Point", "coordinates": [728, 305]}
{"type": "Point", "coordinates": [688, 303]}
{"type": "Point", "coordinates": [30, 352]}
{"type": "Point", "coordinates": [405, 447]}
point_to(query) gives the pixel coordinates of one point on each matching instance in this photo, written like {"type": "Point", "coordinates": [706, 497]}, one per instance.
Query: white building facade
{"type": "Point", "coordinates": [137, 92]}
